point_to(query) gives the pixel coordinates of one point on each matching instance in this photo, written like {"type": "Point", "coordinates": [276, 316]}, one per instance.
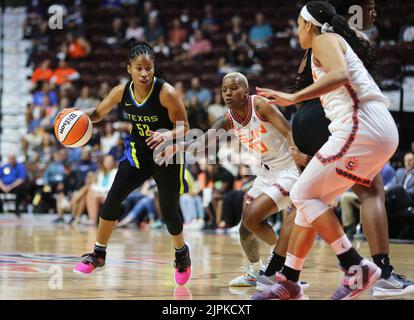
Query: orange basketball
{"type": "Point", "coordinates": [73, 128]}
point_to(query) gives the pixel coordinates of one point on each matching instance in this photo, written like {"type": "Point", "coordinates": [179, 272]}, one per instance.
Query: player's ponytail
{"type": "Point", "coordinates": [137, 48]}
{"type": "Point", "coordinates": [303, 78]}
{"type": "Point", "coordinates": [361, 47]}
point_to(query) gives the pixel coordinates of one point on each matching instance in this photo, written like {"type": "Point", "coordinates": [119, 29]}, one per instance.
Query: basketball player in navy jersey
{"type": "Point", "coordinates": [150, 104]}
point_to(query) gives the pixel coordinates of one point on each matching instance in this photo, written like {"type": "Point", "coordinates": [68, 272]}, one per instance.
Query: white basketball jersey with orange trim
{"type": "Point", "coordinates": [339, 102]}
{"type": "Point", "coordinates": [261, 138]}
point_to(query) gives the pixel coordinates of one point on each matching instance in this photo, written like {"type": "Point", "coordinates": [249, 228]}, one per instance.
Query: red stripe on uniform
{"type": "Point", "coordinates": [352, 135]}
{"type": "Point", "coordinates": [248, 197]}
{"type": "Point", "coordinates": [353, 177]}
{"type": "Point", "coordinates": [282, 190]}
{"type": "Point", "coordinates": [248, 117]}
{"type": "Point", "coordinates": [230, 119]}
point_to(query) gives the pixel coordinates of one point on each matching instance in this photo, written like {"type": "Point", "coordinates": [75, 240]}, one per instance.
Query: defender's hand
{"type": "Point", "coordinates": [300, 158]}
{"type": "Point", "coordinates": [282, 99]}
{"type": "Point", "coordinates": [162, 156]}
{"type": "Point", "coordinates": [157, 138]}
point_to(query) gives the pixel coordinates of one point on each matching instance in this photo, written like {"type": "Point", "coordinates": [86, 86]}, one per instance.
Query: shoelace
{"type": "Point", "coordinates": [247, 271]}
{"type": "Point", "coordinates": [181, 263]}
{"type": "Point", "coordinates": [400, 276]}
{"type": "Point", "coordinates": [403, 279]}
{"type": "Point", "coordinates": [87, 260]}
{"type": "Point", "coordinates": [279, 291]}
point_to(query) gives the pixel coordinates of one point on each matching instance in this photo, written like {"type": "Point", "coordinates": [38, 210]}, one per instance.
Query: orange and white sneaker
{"type": "Point", "coordinates": [246, 280]}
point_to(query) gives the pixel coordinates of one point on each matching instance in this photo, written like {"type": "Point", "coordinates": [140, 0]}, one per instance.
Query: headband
{"type": "Point", "coordinates": [305, 14]}
{"type": "Point", "coordinates": [308, 17]}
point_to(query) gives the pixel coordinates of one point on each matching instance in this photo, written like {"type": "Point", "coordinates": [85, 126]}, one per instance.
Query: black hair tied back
{"type": "Point", "coordinates": [324, 12]}
{"type": "Point", "coordinates": [137, 48]}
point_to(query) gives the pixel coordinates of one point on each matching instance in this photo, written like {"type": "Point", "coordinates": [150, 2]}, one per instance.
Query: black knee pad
{"type": "Point", "coordinates": [169, 202]}
{"type": "Point", "coordinates": [174, 227]}
{"type": "Point", "coordinates": [171, 217]}
{"type": "Point", "coordinates": [110, 212]}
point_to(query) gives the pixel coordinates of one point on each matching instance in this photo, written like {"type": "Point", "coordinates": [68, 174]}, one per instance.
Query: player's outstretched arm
{"type": "Point", "coordinates": [328, 52]}
{"type": "Point", "coordinates": [111, 101]}
{"type": "Point", "coordinates": [211, 136]}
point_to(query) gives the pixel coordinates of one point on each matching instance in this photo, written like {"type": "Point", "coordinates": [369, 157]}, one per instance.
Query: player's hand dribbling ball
{"type": "Point", "coordinates": [73, 128]}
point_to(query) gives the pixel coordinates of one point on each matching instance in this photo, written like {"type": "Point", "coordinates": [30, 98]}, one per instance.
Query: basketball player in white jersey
{"type": "Point", "coordinates": [363, 138]}
{"type": "Point", "coordinates": [262, 129]}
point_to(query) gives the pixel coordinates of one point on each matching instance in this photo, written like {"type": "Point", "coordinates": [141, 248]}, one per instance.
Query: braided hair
{"type": "Point", "coordinates": [137, 48]}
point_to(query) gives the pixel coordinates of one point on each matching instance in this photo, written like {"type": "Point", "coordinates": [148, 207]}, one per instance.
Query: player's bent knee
{"type": "Point", "coordinates": [111, 208]}
{"type": "Point", "coordinates": [174, 229]}
{"type": "Point", "coordinates": [110, 213]}
{"type": "Point", "coordinates": [244, 232]}
{"type": "Point", "coordinates": [249, 219]}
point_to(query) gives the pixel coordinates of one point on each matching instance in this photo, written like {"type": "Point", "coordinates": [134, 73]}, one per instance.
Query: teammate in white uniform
{"type": "Point", "coordinates": [364, 136]}
{"type": "Point", "coordinates": [263, 130]}
{"type": "Point", "coordinates": [259, 136]}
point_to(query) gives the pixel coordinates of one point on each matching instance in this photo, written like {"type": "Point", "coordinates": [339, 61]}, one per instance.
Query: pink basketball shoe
{"type": "Point", "coordinates": [182, 267]}
{"type": "Point", "coordinates": [357, 281]}
{"type": "Point", "coordinates": [90, 264]}
{"type": "Point", "coordinates": [282, 289]}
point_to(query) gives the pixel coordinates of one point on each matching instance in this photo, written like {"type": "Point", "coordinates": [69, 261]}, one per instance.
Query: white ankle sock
{"type": "Point", "coordinates": [341, 245]}
{"type": "Point", "coordinates": [294, 262]}
{"type": "Point", "coordinates": [100, 244]}
{"type": "Point", "coordinates": [256, 266]}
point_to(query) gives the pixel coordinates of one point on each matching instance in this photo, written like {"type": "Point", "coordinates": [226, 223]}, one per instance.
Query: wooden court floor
{"type": "Point", "coordinates": [37, 257]}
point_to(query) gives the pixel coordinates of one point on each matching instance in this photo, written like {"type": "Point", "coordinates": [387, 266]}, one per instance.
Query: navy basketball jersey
{"type": "Point", "coordinates": [148, 115]}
